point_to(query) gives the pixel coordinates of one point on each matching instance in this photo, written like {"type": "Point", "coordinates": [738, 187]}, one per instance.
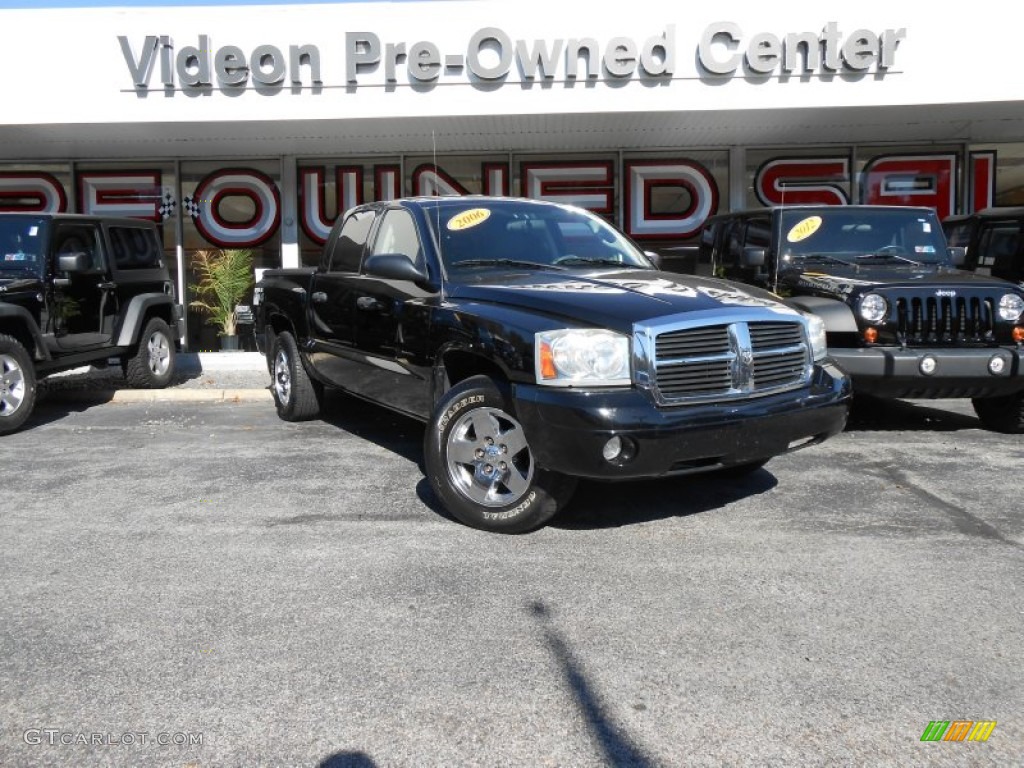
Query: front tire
{"type": "Point", "coordinates": [152, 366]}
{"type": "Point", "coordinates": [296, 396]}
{"type": "Point", "coordinates": [480, 465]}
{"type": "Point", "coordinates": [1001, 414]}
{"type": "Point", "coordinates": [17, 385]}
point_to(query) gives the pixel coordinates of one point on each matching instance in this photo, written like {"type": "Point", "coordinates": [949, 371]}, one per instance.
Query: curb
{"type": "Point", "coordinates": [162, 395]}
{"type": "Point", "coordinates": [189, 395]}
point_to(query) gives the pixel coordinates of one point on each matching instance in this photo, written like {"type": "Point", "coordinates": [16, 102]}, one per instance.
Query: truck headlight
{"type": "Point", "coordinates": [1010, 307]}
{"type": "Point", "coordinates": [582, 356]}
{"type": "Point", "coordinates": [873, 308]}
{"type": "Point", "coordinates": [816, 335]}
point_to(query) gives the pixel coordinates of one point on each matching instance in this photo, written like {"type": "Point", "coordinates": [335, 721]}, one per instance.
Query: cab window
{"type": "Point", "coordinates": [348, 247]}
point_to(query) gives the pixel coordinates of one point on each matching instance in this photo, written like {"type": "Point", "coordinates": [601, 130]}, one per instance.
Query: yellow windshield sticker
{"type": "Point", "coordinates": [804, 229]}
{"type": "Point", "coordinates": [468, 219]}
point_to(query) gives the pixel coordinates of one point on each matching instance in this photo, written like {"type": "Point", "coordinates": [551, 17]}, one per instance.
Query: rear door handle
{"type": "Point", "coordinates": [319, 297]}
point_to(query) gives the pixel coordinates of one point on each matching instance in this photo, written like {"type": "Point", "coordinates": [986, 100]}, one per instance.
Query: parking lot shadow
{"type": "Point", "coordinates": [396, 433]}
{"type": "Point", "coordinates": [348, 760]}
{"type": "Point", "coordinates": [870, 414]}
{"type": "Point", "coordinates": [611, 505]}
{"type": "Point", "coordinates": [619, 750]}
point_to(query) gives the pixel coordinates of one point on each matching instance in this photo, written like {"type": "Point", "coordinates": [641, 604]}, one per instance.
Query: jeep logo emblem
{"type": "Point", "coordinates": [945, 294]}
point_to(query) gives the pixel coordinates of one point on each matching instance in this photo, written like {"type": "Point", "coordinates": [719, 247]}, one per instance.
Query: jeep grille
{"type": "Point", "coordinates": [944, 320]}
{"type": "Point", "coordinates": [741, 358]}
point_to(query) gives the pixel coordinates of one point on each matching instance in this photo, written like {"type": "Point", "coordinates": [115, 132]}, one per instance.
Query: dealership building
{"type": "Point", "coordinates": [255, 126]}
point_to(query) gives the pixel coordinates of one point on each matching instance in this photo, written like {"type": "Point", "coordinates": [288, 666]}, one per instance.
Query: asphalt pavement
{"type": "Point", "coordinates": [258, 593]}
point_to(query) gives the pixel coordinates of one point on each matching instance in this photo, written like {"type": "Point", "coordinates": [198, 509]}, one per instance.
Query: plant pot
{"type": "Point", "coordinates": [229, 343]}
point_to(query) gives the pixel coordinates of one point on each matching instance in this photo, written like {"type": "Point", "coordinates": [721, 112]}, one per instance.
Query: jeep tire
{"type": "Point", "coordinates": [480, 465]}
{"type": "Point", "coordinates": [17, 385]}
{"type": "Point", "coordinates": [1001, 414]}
{"type": "Point", "coordinates": [152, 365]}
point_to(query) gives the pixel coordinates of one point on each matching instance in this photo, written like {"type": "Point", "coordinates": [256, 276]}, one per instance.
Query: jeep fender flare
{"type": "Point", "coordinates": [24, 318]}
{"type": "Point", "coordinates": [135, 316]}
{"type": "Point", "coordinates": [838, 317]}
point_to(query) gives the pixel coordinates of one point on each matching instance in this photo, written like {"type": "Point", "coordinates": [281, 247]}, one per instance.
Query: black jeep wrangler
{"type": "Point", "coordinates": [994, 240]}
{"type": "Point", "coordinates": [80, 290]}
{"type": "Point", "coordinates": [900, 318]}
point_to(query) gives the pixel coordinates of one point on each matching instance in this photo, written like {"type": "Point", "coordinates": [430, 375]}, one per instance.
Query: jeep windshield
{"type": "Point", "coordinates": [22, 246]}
{"type": "Point", "coordinates": [856, 236]}
{"type": "Point", "coordinates": [479, 234]}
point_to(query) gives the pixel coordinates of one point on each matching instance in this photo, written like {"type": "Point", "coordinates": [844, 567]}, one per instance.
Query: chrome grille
{"type": "Point", "coordinates": [744, 358]}
{"type": "Point", "coordinates": [945, 320]}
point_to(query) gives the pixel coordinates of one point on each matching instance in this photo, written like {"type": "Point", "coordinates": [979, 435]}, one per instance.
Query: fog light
{"type": "Point", "coordinates": [996, 365]}
{"type": "Point", "coordinates": [612, 449]}
{"type": "Point", "coordinates": [928, 365]}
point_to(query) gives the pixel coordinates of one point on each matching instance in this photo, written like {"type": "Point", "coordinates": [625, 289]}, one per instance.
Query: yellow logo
{"type": "Point", "coordinates": [804, 229]}
{"type": "Point", "coordinates": [468, 219]}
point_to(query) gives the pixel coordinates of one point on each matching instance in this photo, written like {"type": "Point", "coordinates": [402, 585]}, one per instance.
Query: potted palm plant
{"type": "Point", "coordinates": [224, 277]}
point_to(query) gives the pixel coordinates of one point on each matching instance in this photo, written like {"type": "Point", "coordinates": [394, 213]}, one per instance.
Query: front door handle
{"type": "Point", "coordinates": [319, 297]}
{"type": "Point", "coordinates": [369, 304]}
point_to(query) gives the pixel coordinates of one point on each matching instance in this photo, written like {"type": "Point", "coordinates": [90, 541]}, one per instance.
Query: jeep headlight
{"type": "Point", "coordinates": [1010, 307]}
{"type": "Point", "coordinates": [582, 356]}
{"type": "Point", "coordinates": [816, 335]}
{"type": "Point", "coordinates": [874, 308]}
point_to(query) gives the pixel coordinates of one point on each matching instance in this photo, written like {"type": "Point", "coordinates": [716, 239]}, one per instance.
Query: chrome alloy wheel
{"type": "Point", "coordinates": [488, 459]}
{"type": "Point", "coordinates": [282, 377]}
{"type": "Point", "coordinates": [159, 349]}
{"type": "Point", "coordinates": [12, 385]}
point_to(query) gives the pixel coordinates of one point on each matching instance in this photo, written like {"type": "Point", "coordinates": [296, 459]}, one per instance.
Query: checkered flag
{"type": "Point", "coordinates": [190, 207]}
{"type": "Point", "coordinates": [167, 206]}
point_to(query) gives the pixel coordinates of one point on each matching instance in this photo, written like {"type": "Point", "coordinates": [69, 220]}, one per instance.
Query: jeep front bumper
{"type": "Point", "coordinates": [929, 373]}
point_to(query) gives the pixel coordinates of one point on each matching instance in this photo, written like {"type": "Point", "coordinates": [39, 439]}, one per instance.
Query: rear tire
{"type": "Point", "coordinates": [480, 465]}
{"type": "Point", "coordinates": [1001, 414]}
{"type": "Point", "coordinates": [17, 385]}
{"type": "Point", "coordinates": [296, 396]}
{"type": "Point", "coordinates": [152, 366]}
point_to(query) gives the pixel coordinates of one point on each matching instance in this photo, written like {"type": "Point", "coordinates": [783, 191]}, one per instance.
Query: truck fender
{"type": "Point", "coordinates": [838, 316]}
{"type": "Point", "coordinates": [23, 317]}
{"type": "Point", "coordinates": [134, 316]}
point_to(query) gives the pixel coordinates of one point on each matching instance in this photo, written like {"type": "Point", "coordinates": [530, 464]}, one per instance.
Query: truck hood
{"type": "Point", "coordinates": [608, 298]}
{"type": "Point", "coordinates": [840, 282]}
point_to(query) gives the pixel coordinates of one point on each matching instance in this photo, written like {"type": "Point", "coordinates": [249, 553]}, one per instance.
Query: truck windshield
{"type": "Point", "coordinates": [858, 236]}
{"type": "Point", "coordinates": [479, 234]}
{"type": "Point", "coordinates": [22, 246]}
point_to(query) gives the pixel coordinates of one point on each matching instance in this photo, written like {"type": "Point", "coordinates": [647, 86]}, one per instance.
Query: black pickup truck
{"type": "Point", "coordinates": [81, 290]}
{"type": "Point", "coordinates": [901, 319]}
{"type": "Point", "coordinates": [540, 346]}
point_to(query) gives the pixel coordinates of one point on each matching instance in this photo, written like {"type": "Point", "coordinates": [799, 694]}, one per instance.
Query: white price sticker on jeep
{"type": "Point", "coordinates": [804, 229]}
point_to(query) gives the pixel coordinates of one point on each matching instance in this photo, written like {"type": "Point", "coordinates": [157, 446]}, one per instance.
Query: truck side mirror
{"type": "Point", "coordinates": [753, 257]}
{"type": "Point", "coordinates": [395, 266]}
{"type": "Point", "coordinates": [957, 255]}
{"type": "Point", "coordinates": [74, 262]}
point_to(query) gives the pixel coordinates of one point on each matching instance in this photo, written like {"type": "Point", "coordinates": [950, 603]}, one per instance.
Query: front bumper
{"type": "Point", "coordinates": [568, 428]}
{"type": "Point", "coordinates": [896, 372]}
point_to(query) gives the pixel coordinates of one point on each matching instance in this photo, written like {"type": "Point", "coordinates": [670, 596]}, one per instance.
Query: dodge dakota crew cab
{"type": "Point", "coordinates": [900, 318]}
{"type": "Point", "coordinates": [541, 346]}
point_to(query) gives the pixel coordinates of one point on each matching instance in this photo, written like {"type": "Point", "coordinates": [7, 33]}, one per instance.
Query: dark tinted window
{"type": "Point", "coordinates": [134, 248]}
{"type": "Point", "coordinates": [998, 244]}
{"type": "Point", "coordinates": [759, 234]}
{"type": "Point", "coordinates": [348, 248]}
{"type": "Point", "coordinates": [71, 239]}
